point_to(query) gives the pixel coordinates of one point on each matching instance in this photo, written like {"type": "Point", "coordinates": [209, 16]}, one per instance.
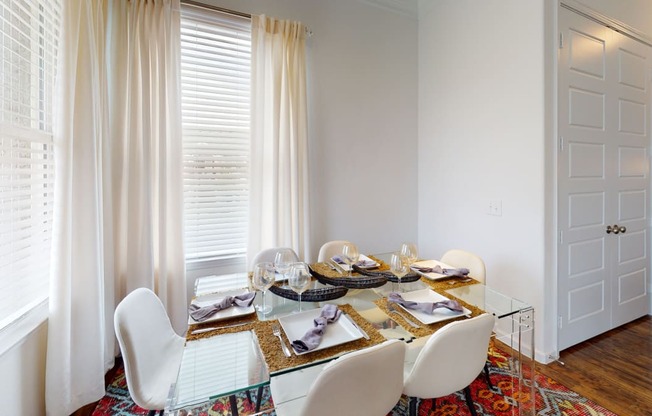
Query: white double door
{"type": "Point", "coordinates": [603, 178]}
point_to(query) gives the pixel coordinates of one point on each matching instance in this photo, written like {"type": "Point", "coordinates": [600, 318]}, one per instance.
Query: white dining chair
{"type": "Point", "coordinates": [477, 270]}
{"type": "Point", "coordinates": [462, 258]}
{"type": "Point", "coordinates": [268, 255]}
{"type": "Point", "coordinates": [449, 361]}
{"type": "Point", "coordinates": [330, 249]}
{"type": "Point", "coordinates": [151, 350]}
{"type": "Point", "coordinates": [367, 382]}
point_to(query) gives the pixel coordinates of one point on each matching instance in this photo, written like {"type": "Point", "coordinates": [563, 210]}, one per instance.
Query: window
{"type": "Point", "coordinates": [215, 87]}
{"type": "Point", "coordinates": [29, 32]}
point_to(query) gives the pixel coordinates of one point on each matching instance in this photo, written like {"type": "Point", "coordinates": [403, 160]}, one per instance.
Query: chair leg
{"type": "Point", "coordinates": [234, 405]}
{"type": "Point", "coordinates": [259, 398]}
{"type": "Point", "coordinates": [412, 401]}
{"type": "Point", "coordinates": [487, 377]}
{"type": "Point", "coordinates": [469, 401]}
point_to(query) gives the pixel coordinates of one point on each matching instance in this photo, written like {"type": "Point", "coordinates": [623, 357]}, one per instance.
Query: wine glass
{"type": "Point", "coordinates": [283, 262]}
{"type": "Point", "coordinates": [410, 252]}
{"type": "Point", "coordinates": [299, 279]}
{"type": "Point", "coordinates": [263, 279]}
{"type": "Point", "coordinates": [350, 255]}
{"type": "Point", "coordinates": [398, 266]}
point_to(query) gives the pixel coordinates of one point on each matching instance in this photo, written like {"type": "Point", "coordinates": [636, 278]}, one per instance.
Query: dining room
{"type": "Point", "coordinates": [433, 122]}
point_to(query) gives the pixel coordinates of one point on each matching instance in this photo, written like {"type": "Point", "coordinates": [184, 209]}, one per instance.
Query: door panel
{"type": "Point", "coordinates": [603, 178]}
{"type": "Point", "coordinates": [632, 117]}
{"type": "Point", "coordinates": [586, 108]}
{"type": "Point", "coordinates": [584, 289]}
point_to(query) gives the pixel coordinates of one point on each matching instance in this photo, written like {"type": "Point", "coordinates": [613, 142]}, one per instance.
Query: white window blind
{"type": "Point", "coordinates": [215, 85]}
{"type": "Point", "coordinates": [29, 32]}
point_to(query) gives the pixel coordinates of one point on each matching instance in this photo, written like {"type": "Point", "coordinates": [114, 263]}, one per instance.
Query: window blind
{"type": "Point", "coordinates": [215, 86]}
{"type": "Point", "coordinates": [29, 32]}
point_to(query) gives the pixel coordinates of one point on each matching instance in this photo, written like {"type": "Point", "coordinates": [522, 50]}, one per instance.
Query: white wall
{"type": "Point", "coordinates": [362, 86]}
{"type": "Point", "coordinates": [22, 370]}
{"type": "Point", "coordinates": [482, 138]}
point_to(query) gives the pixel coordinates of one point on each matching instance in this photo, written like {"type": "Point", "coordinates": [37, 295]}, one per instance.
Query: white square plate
{"type": "Point", "coordinates": [431, 263]}
{"type": "Point", "coordinates": [439, 314]}
{"type": "Point", "coordinates": [339, 332]}
{"type": "Point", "coordinates": [346, 267]}
{"type": "Point", "coordinates": [228, 313]}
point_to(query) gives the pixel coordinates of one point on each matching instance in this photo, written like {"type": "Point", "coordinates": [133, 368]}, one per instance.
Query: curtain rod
{"type": "Point", "coordinates": [233, 12]}
{"type": "Point", "coordinates": [216, 8]}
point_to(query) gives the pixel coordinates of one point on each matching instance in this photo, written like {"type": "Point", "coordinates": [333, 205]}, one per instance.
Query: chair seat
{"type": "Point", "coordinates": [293, 387]}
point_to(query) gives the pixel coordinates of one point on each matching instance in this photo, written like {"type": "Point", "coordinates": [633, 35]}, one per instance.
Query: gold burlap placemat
{"type": "Point", "coordinates": [271, 348]}
{"type": "Point", "coordinates": [439, 286]}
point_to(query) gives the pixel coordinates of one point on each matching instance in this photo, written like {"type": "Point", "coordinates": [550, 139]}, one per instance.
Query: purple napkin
{"type": "Point", "coordinates": [312, 338]}
{"type": "Point", "coordinates": [461, 272]}
{"type": "Point", "coordinates": [427, 307]}
{"type": "Point", "coordinates": [201, 314]}
{"type": "Point", "coordinates": [361, 263]}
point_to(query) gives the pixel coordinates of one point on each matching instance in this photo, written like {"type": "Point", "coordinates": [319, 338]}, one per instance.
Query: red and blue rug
{"type": "Point", "coordinates": [552, 399]}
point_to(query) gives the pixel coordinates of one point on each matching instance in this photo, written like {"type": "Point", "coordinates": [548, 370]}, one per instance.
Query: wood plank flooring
{"type": "Point", "coordinates": [613, 369]}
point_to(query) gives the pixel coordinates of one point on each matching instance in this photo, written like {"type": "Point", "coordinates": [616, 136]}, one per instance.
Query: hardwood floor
{"type": "Point", "coordinates": [613, 369]}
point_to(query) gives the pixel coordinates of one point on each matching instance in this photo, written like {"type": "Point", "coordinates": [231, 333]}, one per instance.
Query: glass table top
{"type": "Point", "coordinates": [219, 366]}
{"type": "Point", "coordinates": [489, 300]}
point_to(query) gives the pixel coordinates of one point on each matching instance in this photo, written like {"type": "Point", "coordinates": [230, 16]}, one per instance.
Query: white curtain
{"type": "Point", "coordinates": [279, 199]}
{"type": "Point", "coordinates": [118, 192]}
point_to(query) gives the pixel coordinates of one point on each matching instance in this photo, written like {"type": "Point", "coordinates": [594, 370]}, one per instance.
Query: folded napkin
{"type": "Point", "coordinates": [312, 338]}
{"type": "Point", "coordinates": [427, 307]}
{"type": "Point", "coordinates": [200, 314]}
{"type": "Point", "coordinates": [461, 272]}
{"type": "Point", "coordinates": [360, 263]}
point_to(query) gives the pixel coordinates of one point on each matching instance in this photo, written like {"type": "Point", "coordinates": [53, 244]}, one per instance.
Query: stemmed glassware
{"type": "Point", "coordinates": [283, 262]}
{"type": "Point", "coordinates": [299, 279]}
{"type": "Point", "coordinates": [410, 252]}
{"type": "Point", "coordinates": [263, 279]}
{"type": "Point", "coordinates": [350, 255]}
{"type": "Point", "coordinates": [398, 266]}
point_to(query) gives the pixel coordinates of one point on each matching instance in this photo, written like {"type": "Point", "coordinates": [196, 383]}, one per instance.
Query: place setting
{"type": "Point", "coordinates": [422, 311]}
{"type": "Point", "coordinates": [219, 311]}
{"type": "Point", "coordinates": [313, 335]}
{"type": "Point", "coordinates": [436, 270]}
{"type": "Point", "coordinates": [344, 269]}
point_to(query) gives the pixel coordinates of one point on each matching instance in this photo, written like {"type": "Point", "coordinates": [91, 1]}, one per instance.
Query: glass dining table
{"type": "Point", "coordinates": [243, 354]}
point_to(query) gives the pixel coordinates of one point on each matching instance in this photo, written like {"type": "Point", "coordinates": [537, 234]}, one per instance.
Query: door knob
{"type": "Point", "coordinates": [615, 229]}
{"type": "Point", "coordinates": [623, 230]}
{"type": "Point", "coordinates": [609, 229]}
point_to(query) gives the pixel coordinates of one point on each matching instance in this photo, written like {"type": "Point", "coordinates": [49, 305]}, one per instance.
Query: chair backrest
{"type": "Point", "coordinates": [151, 350]}
{"type": "Point", "coordinates": [330, 249]}
{"type": "Point", "coordinates": [268, 255]}
{"type": "Point", "coordinates": [451, 359]}
{"type": "Point", "coordinates": [461, 258]}
{"type": "Point", "coordinates": [368, 382]}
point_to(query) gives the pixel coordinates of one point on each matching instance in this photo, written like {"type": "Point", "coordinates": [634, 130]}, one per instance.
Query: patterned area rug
{"type": "Point", "coordinates": [552, 399]}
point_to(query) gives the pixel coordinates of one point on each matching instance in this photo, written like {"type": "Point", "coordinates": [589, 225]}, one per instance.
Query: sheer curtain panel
{"type": "Point", "coordinates": [118, 201]}
{"type": "Point", "coordinates": [279, 210]}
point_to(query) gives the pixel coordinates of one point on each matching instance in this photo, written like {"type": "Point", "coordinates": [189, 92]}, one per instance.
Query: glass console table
{"type": "Point", "coordinates": [226, 364]}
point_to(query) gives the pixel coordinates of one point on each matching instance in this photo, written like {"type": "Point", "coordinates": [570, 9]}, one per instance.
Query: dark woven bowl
{"type": "Point", "coordinates": [358, 282]}
{"type": "Point", "coordinates": [412, 276]}
{"type": "Point", "coordinates": [310, 295]}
